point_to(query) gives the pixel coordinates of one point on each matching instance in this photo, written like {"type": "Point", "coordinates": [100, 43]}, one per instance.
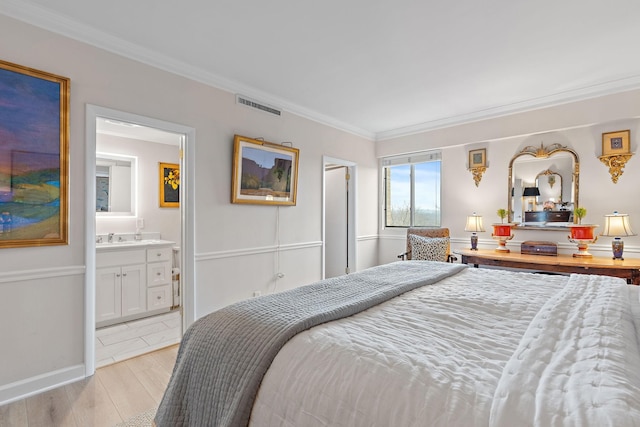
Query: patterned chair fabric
{"type": "Point", "coordinates": [427, 232]}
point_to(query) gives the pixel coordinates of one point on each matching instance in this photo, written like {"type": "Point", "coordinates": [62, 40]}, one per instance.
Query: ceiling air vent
{"type": "Point", "coordinates": [257, 105]}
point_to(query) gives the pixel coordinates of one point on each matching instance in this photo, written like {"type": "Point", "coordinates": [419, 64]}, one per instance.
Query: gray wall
{"type": "Point", "coordinates": [42, 323]}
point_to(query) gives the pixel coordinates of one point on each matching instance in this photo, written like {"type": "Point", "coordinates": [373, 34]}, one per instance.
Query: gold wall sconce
{"type": "Point", "coordinates": [478, 164]}
{"type": "Point", "coordinates": [616, 152]}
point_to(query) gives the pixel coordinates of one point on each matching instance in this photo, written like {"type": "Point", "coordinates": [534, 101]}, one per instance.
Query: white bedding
{"type": "Point", "coordinates": [428, 358]}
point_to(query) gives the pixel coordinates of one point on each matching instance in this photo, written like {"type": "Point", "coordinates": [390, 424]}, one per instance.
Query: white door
{"type": "Point", "coordinates": [134, 289]}
{"type": "Point", "coordinates": [108, 293]}
{"type": "Point", "coordinates": [336, 221]}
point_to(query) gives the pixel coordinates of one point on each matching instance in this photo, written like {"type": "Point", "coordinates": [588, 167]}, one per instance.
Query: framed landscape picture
{"type": "Point", "coordinates": [169, 185]}
{"type": "Point", "coordinates": [34, 180]}
{"type": "Point", "coordinates": [263, 172]}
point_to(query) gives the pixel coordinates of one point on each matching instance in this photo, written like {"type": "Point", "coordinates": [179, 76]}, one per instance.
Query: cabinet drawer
{"type": "Point", "coordinates": [122, 257]}
{"type": "Point", "coordinates": [558, 216]}
{"type": "Point", "coordinates": [159, 297]}
{"type": "Point", "coordinates": [159, 254]}
{"type": "Point", "coordinates": [158, 273]}
{"type": "Point", "coordinates": [535, 216]}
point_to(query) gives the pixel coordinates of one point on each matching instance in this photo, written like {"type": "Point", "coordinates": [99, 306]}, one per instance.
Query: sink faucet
{"type": "Point", "coordinates": [110, 238]}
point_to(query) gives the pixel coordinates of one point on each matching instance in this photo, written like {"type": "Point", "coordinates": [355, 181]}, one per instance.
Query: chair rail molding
{"type": "Point", "coordinates": [41, 273]}
{"type": "Point", "coordinates": [256, 250]}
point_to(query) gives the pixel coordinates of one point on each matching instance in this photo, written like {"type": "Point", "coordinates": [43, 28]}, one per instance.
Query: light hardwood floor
{"type": "Point", "coordinates": [114, 394]}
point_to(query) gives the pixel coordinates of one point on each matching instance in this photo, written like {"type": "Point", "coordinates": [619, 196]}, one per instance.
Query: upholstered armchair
{"type": "Point", "coordinates": [428, 244]}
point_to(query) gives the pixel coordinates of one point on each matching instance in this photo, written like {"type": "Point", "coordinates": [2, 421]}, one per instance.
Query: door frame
{"type": "Point", "coordinates": [187, 219]}
{"type": "Point", "coordinates": [351, 207]}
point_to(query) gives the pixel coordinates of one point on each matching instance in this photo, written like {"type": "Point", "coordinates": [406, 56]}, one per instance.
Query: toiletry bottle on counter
{"type": "Point", "coordinates": [6, 222]}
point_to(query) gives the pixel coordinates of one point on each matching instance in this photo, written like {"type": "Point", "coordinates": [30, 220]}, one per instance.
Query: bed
{"type": "Point", "coordinates": [416, 343]}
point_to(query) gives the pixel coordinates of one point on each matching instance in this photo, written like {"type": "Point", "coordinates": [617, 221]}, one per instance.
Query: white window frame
{"type": "Point", "coordinates": [407, 159]}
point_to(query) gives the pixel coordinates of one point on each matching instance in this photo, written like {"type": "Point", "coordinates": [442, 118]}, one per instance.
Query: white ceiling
{"type": "Point", "coordinates": [136, 131]}
{"type": "Point", "coordinates": [377, 68]}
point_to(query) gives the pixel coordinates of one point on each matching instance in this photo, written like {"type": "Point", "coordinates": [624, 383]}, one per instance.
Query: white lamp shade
{"type": "Point", "coordinates": [474, 223]}
{"type": "Point", "coordinates": [617, 225]}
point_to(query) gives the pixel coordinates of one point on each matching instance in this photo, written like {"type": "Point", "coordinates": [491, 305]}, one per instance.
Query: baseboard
{"type": "Point", "coordinates": [40, 383]}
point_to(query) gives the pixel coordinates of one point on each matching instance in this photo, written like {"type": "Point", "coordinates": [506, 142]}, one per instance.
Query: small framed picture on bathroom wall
{"type": "Point", "coordinates": [169, 185]}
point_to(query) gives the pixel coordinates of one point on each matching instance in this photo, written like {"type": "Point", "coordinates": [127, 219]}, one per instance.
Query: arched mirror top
{"type": "Point", "coordinates": [543, 187]}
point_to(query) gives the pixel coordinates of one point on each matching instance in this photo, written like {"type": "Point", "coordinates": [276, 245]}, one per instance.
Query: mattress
{"type": "Point", "coordinates": [416, 343]}
{"type": "Point", "coordinates": [432, 357]}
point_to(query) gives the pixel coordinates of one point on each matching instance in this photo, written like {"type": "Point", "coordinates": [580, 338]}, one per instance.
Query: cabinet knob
{"type": "Point", "coordinates": [159, 297]}
{"type": "Point", "coordinates": [118, 275]}
{"type": "Point", "coordinates": [158, 273]}
{"type": "Point", "coordinates": [124, 274]}
{"type": "Point", "coordinates": [158, 254]}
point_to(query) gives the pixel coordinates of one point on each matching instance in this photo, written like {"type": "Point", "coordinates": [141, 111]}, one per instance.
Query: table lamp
{"type": "Point", "coordinates": [474, 224]}
{"type": "Point", "coordinates": [617, 226]}
{"type": "Point", "coordinates": [529, 193]}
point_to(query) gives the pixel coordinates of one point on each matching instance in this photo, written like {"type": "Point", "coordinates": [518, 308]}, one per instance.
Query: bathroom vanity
{"type": "Point", "coordinates": [133, 280]}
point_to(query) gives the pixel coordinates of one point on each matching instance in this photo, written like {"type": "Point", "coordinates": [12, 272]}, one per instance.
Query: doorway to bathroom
{"type": "Point", "coordinates": [138, 283]}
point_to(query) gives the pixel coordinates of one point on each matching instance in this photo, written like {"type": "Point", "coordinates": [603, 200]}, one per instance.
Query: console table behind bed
{"type": "Point", "coordinates": [628, 269]}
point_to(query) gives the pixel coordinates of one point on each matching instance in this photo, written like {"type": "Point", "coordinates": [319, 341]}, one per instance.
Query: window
{"type": "Point", "coordinates": [412, 190]}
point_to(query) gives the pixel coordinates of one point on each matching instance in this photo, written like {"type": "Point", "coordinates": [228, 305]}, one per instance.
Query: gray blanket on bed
{"type": "Point", "coordinates": [224, 355]}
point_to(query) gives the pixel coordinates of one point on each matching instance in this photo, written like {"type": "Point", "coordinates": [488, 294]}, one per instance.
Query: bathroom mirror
{"type": "Point", "coordinates": [554, 171]}
{"type": "Point", "coordinates": [115, 184]}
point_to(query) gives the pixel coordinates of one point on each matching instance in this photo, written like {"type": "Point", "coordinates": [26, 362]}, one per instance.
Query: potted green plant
{"type": "Point", "coordinates": [502, 213]}
{"type": "Point", "coordinates": [580, 213]}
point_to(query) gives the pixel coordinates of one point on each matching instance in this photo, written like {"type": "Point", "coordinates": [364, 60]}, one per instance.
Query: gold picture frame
{"type": "Point", "coordinates": [478, 158]}
{"type": "Point", "coordinates": [478, 164]}
{"type": "Point", "coordinates": [264, 173]}
{"type": "Point", "coordinates": [616, 143]}
{"type": "Point", "coordinates": [34, 157]}
{"type": "Point", "coordinates": [169, 184]}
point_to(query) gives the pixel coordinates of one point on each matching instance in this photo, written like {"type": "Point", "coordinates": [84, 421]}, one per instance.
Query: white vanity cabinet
{"type": "Point", "coordinates": [121, 284]}
{"type": "Point", "coordinates": [132, 281]}
{"type": "Point", "coordinates": [120, 291]}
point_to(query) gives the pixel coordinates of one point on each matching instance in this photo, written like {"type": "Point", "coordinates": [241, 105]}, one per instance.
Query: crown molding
{"type": "Point", "coordinates": [56, 23]}
{"type": "Point", "coordinates": [565, 97]}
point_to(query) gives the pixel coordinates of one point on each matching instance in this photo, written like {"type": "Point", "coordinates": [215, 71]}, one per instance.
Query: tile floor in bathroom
{"type": "Point", "coordinates": [126, 340]}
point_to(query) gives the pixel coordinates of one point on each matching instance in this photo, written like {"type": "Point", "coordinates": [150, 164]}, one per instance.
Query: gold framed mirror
{"type": "Point", "coordinates": [551, 175]}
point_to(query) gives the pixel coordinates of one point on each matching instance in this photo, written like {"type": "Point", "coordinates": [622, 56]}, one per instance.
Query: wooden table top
{"type": "Point", "coordinates": [561, 259]}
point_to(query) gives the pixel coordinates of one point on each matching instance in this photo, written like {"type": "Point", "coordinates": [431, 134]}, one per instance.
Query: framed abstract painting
{"type": "Point", "coordinates": [34, 159]}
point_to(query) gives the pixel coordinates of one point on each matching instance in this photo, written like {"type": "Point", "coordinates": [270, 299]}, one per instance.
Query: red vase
{"type": "Point", "coordinates": [502, 233]}
{"type": "Point", "coordinates": [582, 235]}
{"type": "Point", "coordinates": [503, 230]}
{"type": "Point", "coordinates": [582, 232]}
